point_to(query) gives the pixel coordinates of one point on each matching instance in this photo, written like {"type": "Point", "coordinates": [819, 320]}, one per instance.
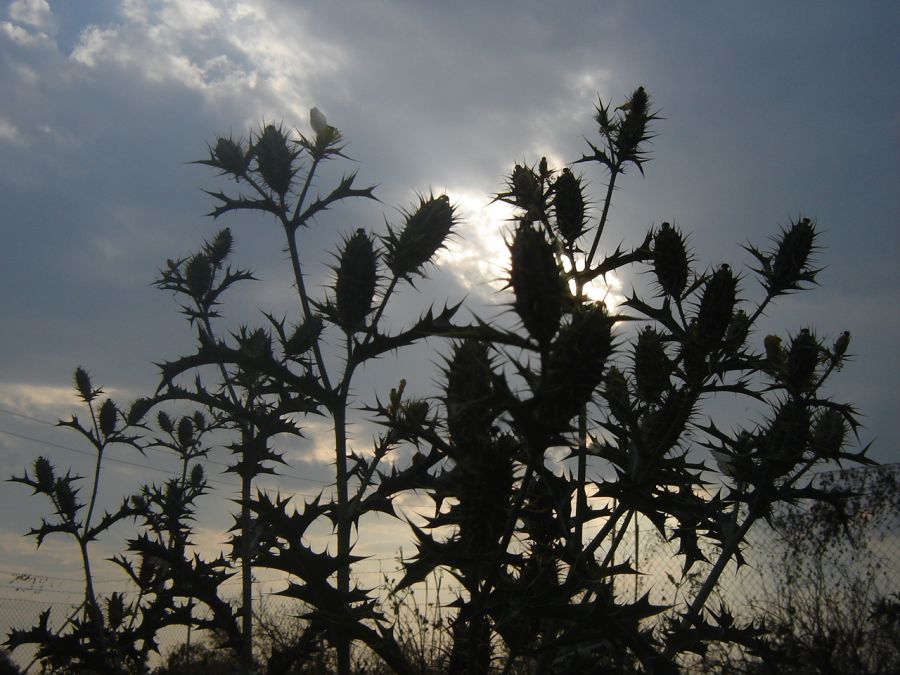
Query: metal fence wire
{"type": "Point", "coordinates": [808, 560]}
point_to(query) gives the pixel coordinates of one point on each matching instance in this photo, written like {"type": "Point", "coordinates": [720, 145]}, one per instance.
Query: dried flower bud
{"type": "Point", "coordinates": [43, 474]}
{"type": "Point", "coordinates": [317, 121]}
{"type": "Point", "coordinates": [662, 428]}
{"type": "Point", "coordinates": [716, 307]}
{"type": "Point", "coordinates": [83, 385]}
{"type": "Point", "coordinates": [789, 264]}
{"type": "Point", "coordinates": [802, 360]}
{"type": "Point", "coordinates": [425, 232]}
{"type": "Point", "coordinates": [633, 128]}
{"type": "Point", "coordinates": [197, 477]}
{"type": "Point", "coordinates": [356, 276]}
{"type": "Point", "coordinates": [694, 358]}
{"type": "Point", "coordinates": [165, 422]}
{"type": "Point", "coordinates": [415, 412]}
{"type": "Point", "coordinates": [275, 159]}
{"type": "Point", "coordinates": [575, 363]}
{"type": "Point", "coordinates": [616, 394]}
{"type": "Point", "coordinates": [788, 434]}
{"type": "Point", "coordinates": [256, 344]}
{"type": "Point", "coordinates": [651, 366]}
{"type": "Point", "coordinates": [230, 157]}
{"type": "Point", "coordinates": [568, 202]}
{"type": "Point", "coordinates": [220, 247]}
{"type": "Point", "coordinates": [829, 433]}
{"type": "Point", "coordinates": [115, 610]}
{"type": "Point", "coordinates": [138, 409]}
{"type": "Point", "coordinates": [66, 499]}
{"type": "Point", "coordinates": [738, 329]}
{"type": "Point", "coordinates": [199, 275]}
{"type": "Point", "coordinates": [185, 432]}
{"type": "Point", "coordinates": [537, 283]}
{"type": "Point", "coordinates": [840, 346]}
{"type": "Point", "coordinates": [670, 260]}
{"type": "Point", "coordinates": [776, 356]}
{"type": "Point", "coordinates": [108, 417]}
{"type": "Point", "coordinates": [525, 189]}
{"type": "Point", "coordinates": [468, 392]}
{"type": "Point", "coordinates": [304, 336]}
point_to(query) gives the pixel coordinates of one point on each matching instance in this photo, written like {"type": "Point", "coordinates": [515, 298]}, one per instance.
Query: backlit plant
{"type": "Point", "coordinates": [552, 432]}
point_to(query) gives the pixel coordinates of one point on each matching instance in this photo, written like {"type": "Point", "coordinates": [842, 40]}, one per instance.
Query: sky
{"type": "Point", "coordinates": [768, 111]}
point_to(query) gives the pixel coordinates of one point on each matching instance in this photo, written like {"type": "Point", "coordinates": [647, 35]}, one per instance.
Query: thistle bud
{"type": "Point", "coordinates": [274, 159]}
{"type": "Point", "coordinates": [317, 121]}
{"type": "Point", "coordinates": [788, 434]}
{"type": "Point", "coordinates": [199, 275]}
{"type": "Point", "coordinates": [651, 366]}
{"type": "Point", "coordinates": [108, 417]}
{"type": "Point", "coordinates": [736, 334]}
{"type": "Point", "coordinates": [716, 307]}
{"type": "Point", "coordinates": [525, 189]}
{"type": "Point", "coordinates": [83, 385]}
{"type": "Point", "coordinates": [255, 345]}
{"type": "Point", "coordinates": [66, 499]}
{"type": "Point", "coordinates": [356, 275]}
{"type": "Point", "coordinates": [220, 247]}
{"type": "Point", "coordinates": [840, 346]}
{"type": "Point", "coordinates": [197, 477]}
{"type": "Point", "coordinates": [468, 392]}
{"type": "Point", "coordinates": [165, 422]}
{"type": "Point", "coordinates": [115, 610]}
{"type": "Point", "coordinates": [829, 433]}
{"type": "Point", "coordinates": [789, 264]}
{"type": "Point", "coordinates": [230, 157]}
{"type": "Point", "coordinates": [662, 428]}
{"type": "Point", "coordinates": [568, 202]}
{"type": "Point", "coordinates": [695, 361]}
{"type": "Point", "coordinates": [802, 360]}
{"type": "Point", "coordinates": [776, 356]}
{"type": "Point", "coordinates": [575, 362]}
{"type": "Point", "coordinates": [670, 260]}
{"type": "Point", "coordinates": [415, 412]}
{"type": "Point", "coordinates": [185, 432]}
{"type": "Point", "coordinates": [138, 409]}
{"type": "Point", "coordinates": [424, 234]}
{"type": "Point", "coordinates": [304, 336]}
{"type": "Point", "coordinates": [43, 474]}
{"type": "Point", "coordinates": [633, 128]}
{"type": "Point", "coordinates": [537, 283]}
{"type": "Point", "coordinates": [616, 393]}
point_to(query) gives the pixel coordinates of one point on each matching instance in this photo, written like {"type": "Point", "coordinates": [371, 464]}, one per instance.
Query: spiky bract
{"type": "Point", "coordinates": [716, 307]}
{"type": "Point", "coordinates": [537, 283]}
{"type": "Point", "coordinates": [275, 159]}
{"type": "Point", "coordinates": [424, 233]}
{"type": "Point", "coordinates": [670, 260]}
{"type": "Point", "coordinates": [356, 277]}
{"type": "Point", "coordinates": [569, 206]}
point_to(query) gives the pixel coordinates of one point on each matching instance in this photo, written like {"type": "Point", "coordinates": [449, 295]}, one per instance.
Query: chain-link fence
{"type": "Point", "coordinates": [808, 561]}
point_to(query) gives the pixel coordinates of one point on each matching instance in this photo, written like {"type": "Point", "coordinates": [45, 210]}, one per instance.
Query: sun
{"type": "Point", "coordinates": [478, 257]}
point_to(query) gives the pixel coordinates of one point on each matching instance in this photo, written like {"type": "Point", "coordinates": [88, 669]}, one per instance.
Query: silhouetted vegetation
{"type": "Point", "coordinates": [532, 542]}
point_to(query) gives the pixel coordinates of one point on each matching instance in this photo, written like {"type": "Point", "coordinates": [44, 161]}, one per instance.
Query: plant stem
{"type": "Point", "coordinates": [614, 172]}
{"type": "Point", "coordinates": [342, 641]}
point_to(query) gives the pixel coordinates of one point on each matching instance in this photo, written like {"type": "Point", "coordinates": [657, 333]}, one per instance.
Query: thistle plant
{"type": "Point", "coordinates": [553, 432]}
{"type": "Point", "coordinates": [629, 420]}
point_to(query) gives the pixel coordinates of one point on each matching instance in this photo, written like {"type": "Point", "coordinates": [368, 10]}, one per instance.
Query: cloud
{"type": "Point", "coordinates": [227, 51]}
{"type": "Point", "coordinates": [35, 13]}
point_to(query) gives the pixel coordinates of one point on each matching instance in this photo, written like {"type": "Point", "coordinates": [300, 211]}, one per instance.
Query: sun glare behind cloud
{"type": "Point", "coordinates": [479, 256]}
